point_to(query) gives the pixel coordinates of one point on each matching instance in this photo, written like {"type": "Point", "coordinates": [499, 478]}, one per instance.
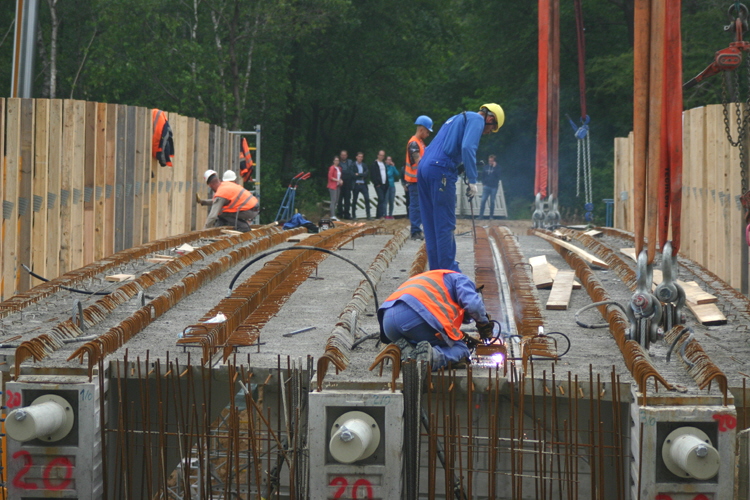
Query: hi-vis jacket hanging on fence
{"type": "Point", "coordinates": [162, 145]}
{"type": "Point", "coordinates": [246, 162]}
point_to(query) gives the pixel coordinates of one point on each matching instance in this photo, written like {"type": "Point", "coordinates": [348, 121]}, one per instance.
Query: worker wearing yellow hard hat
{"type": "Point", "coordinates": [456, 142]}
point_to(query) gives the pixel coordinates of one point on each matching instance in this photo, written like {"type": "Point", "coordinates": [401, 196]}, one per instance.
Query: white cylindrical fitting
{"type": "Point", "coordinates": [49, 418]}
{"type": "Point", "coordinates": [354, 436]}
{"type": "Point", "coordinates": [688, 453]}
{"type": "Point", "coordinates": [696, 457]}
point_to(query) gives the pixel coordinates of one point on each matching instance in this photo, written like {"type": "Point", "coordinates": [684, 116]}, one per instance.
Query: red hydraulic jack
{"type": "Point", "coordinates": [730, 58]}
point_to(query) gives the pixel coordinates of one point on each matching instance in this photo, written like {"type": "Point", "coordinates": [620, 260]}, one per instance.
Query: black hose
{"type": "Point", "coordinates": [597, 304]}
{"type": "Point", "coordinates": [76, 290]}
{"type": "Point", "coordinates": [682, 349]}
{"type": "Point", "coordinates": [304, 247]}
{"type": "Point", "coordinates": [371, 336]}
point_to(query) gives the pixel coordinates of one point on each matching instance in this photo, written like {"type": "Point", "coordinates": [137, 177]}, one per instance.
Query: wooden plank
{"type": "Point", "coordinates": [593, 233]}
{"type": "Point", "coordinates": [154, 227]}
{"type": "Point", "coordinates": [54, 178]}
{"type": "Point", "coordinates": [630, 252]}
{"type": "Point", "coordinates": [117, 278]}
{"type": "Point", "coordinates": [100, 179]}
{"type": "Point", "coordinates": [189, 197]}
{"type": "Point", "coordinates": [10, 195]}
{"type": "Point", "coordinates": [695, 294]}
{"type": "Point", "coordinates": [89, 181]}
{"type": "Point", "coordinates": [177, 217]}
{"type": "Point", "coordinates": [553, 272]}
{"type": "Point", "coordinates": [540, 271]}
{"type": "Point", "coordinates": [200, 185]}
{"type": "Point", "coordinates": [142, 122]}
{"type": "Point", "coordinates": [129, 183]}
{"type": "Point", "coordinates": [41, 154]}
{"type": "Point", "coordinates": [697, 164]}
{"type": "Point", "coordinates": [25, 194]}
{"type": "Point", "coordinates": [723, 187]}
{"type": "Point", "coordinates": [76, 183]}
{"type": "Point", "coordinates": [707, 314]}
{"type": "Point", "coordinates": [299, 237]}
{"type": "Point", "coordinates": [578, 251]}
{"type": "Point", "coordinates": [120, 177]}
{"type": "Point", "coordinates": [737, 219]}
{"type": "Point", "coordinates": [559, 296]}
{"type": "Point", "coordinates": [110, 177]}
{"type": "Point", "coordinates": [3, 160]}
{"type": "Point", "coordinates": [712, 147]}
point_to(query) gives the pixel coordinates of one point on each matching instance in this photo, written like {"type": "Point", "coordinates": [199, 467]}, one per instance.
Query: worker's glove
{"type": "Point", "coordinates": [471, 191]}
{"type": "Point", "coordinates": [485, 330]}
{"type": "Point", "coordinates": [198, 199]}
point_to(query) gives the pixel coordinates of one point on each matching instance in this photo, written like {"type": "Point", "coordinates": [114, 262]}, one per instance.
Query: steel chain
{"type": "Point", "coordinates": [742, 120]}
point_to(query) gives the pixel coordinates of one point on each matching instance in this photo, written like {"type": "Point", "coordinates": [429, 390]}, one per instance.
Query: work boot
{"type": "Point", "coordinates": [417, 236]}
{"type": "Point", "coordinates": [407, 348]}
{"type": "Point", "coordinates": [424, 352]}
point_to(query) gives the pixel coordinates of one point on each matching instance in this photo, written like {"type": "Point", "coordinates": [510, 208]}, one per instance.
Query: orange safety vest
{"type": "Point", "coordinates": [246, 162]}
{"type": "Point", "coordinates": [239, 198]}
{"type": "Point", "coordinates": [410, 173]}
{"type": "Point", "coordinates": [429, 289]}
{"type": "Point", "coordinates": [162, 143]}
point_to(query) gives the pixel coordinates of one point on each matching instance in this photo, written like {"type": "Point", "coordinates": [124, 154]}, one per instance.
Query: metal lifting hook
{"type": "Point", "coordinates": [552, 216]}
{"type": "Point", "coordinates": [669, 292]}
{"type": "Point", "coordinates": [645, 310]}
{"type": "Point", "coordinates": [538, 215]}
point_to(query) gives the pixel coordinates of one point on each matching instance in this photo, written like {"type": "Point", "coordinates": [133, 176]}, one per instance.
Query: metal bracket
{"type": "Point", "coordinates": [645, 310]}
{"type": "Point", "coordinates": [552, 216]}
{"type": "Point", "coordinates": [669, 292]}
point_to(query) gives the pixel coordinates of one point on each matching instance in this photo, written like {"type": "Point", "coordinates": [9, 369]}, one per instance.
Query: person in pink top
{"type": "Point", "coordinates": [334, 184]}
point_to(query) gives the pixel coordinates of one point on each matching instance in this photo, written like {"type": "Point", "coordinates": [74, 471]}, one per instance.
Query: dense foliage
{"type": "Point", "coordinates": [322, 75]}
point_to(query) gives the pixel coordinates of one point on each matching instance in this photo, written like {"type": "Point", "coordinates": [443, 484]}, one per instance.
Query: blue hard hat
{"type": "Point", "coordinates": [425, 121]}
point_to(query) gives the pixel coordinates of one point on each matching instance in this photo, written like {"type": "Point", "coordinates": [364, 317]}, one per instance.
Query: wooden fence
{"type": "Point", "coordinates": [79, 183]}
{"type": "Point", "coordinates": [712, 217]}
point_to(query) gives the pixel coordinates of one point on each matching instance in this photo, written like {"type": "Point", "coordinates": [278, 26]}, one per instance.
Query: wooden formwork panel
{"type": "Point", "coordinates": [76, 182]}
{"type": "Point", "coordinates": [54, 185]}
{"type": "Point", "coordinates": [3, 161]}
{"type": "Point", "coordinates": [41, 166]}
{"type": "Point", "coordinates": [10, 194]}
{"type": "Point", "coordinates": [191, 166]}
{"type": "Point", "coordinates": [121, 152]}
{"type": "Point", "coordinates": [100, 180]}
{"type": "Point", "coordinates": [696, 162]}
{"type": "Point", "coordinates": [708, 173]}
{"type": "Point", "coordinates": [110, 177]}
{"type": "Point", "coordinates": [129, 178]}
{"type": "Point", "coordinates": [89, 184]}
{"type": "Point", "coordinates": [142, 122]}
{"type": "Point", "coordinates": [177, 214]}
{"type": "Point", "coordinates": [204, 134]}
{"type": "Point", "coordinates": [736, 212]}
{"type": "Point", "coordinates": [25, 193]}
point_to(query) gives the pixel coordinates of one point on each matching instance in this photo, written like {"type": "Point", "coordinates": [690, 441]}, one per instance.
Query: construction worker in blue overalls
{"type": "Point", "coordinates": [424, 316]}
{"type": "Point", "coordinates": [456, 142]}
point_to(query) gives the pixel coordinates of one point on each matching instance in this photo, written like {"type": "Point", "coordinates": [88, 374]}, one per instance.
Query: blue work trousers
{"type": "Point", "coordinates": [400, 320]}
{"type": "Point", "coordinates": [488, 193]}
{"type": "Point", "coordinates": [415, 215]}
{"type": "Point", "coordinates": [437, 199]}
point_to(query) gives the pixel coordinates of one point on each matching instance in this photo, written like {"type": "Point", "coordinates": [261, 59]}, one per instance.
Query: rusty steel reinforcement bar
{"type": "Point", "coordinates": [249, 295]}
{"type": "Point", "coordinates": [73, 278]}
{"type": "Point", "coordinates": [527, 310]}
{"type": "Point", "coordinates": [704, 370]}
{"type": "Point", "coordinates": [248, 332]}
{"type": "Point", "coordinates": [636, 359]}
{"type": "Point", "coordinates": [118, 335]}
{"type": "Point", "coordinates": [342, 337]}
{"type": "Point", "coordinates": [484, 273]}
{"type": "Point", "coordinates": [419, 264]}
{"type": "Point", "coordinates": [696, 361]}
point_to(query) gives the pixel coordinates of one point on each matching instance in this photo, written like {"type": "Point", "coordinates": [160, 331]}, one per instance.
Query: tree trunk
{"type": "Point", "coordinates": [54, 25]}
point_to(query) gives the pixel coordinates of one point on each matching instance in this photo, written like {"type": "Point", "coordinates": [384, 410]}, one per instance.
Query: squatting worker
{"type": "Point", "coordinates": [414, 153]}
{"type": "Point", "coordinates": [232, 205]}
{"type": "Point", "coordinates": [423, 317]}
{"type": "Point", "coordinates": [456, 142]}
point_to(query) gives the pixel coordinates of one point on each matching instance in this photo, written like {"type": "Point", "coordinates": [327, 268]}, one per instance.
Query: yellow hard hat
{"type": "Point", "coordinates": [496, 110]}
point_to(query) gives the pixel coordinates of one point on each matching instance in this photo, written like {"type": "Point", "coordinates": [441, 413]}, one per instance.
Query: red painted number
{"type": "Point", "coordinates": [67, 467]}
{"type": "Point", "coordinates": [14, 399]}
{"type": "Point", "coordinates": [18, 481]}
{"type": "Point", "coordinates": [62, 462]}
{"type": "Point", "coordinates": [359, 483]}
{"type": "Point", "coordinates": [726, 423]}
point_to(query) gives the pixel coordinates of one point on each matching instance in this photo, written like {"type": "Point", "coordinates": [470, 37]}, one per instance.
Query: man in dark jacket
{"type": "Point", "coordinates": [379, 178]}
{"type": "Point", "coordinates": [345, 196]}
{"type": "Point", "coordinates": [360, 175]}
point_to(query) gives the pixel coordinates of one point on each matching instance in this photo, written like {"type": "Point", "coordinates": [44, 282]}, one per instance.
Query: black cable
{"type": "Point", "coordinates": [371, 336]}
{"type": "Point", "coordinates": [674, 343]}
{"type": "Point", "coordinates": [597, 304]}
{"type": "Point", "coordinates": [41, 278]}
{"type": "Point", "coordinates": [304, 247]}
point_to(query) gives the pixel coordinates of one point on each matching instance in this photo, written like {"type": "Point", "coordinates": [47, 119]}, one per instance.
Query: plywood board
{"type": "Point", "coordinates": [594, 261]}
{"type": "Point", "coordinates": [695, 294]}
{"type": "Point", "coordinates": [117, 278]}
{"type": "Point", "coordinates": [100, 180]}
{"type": "Point", "coordinates": [697, 166]}
{"type": "Point", "coordinates": [129, 184]}
{"type": "Point", "coordinates": [593, 233]}
{"type": "Point", "coordinates": [76, 183]}
{"type": "Point", "coordinates": [707, 314]}
{"type": "Point", "coordinates": [110, 176]}
{"type": "Point", "coordinates": [177, 216]}
{"type": "Point", "coordinates": [189, 197]}
{"type": "Point", "coordinates": [553, 272]}
{"type": "Point", "coordinates": [540, 271]}
{"type": "Point", "coordinates": [737, 221]}
{"type": "Point", "coordinates": [10, 195]}
{"type": "Point", "coordinates": [89, 180]}
{"type": "Point", "coordinates": [712, 148]}
{"type": "Point", "coordinates": [41, 155]}
{"type": "Point", "coordinates": [559, 296]}
{"type": "Point", "coordinates": [200, 185]}
{"type": "Point", "coordinates": [120, 177]}
{"type": "Point", "coordinates": [54, 178]}
{"type": "Point", "coordinates": [141, 123]}
{"type": "Point", "coordinates": [25, 194]}
{"type": "Point", "coordinates": [2, 187]}
{"type": "Point", "coordinates": [629, 252]}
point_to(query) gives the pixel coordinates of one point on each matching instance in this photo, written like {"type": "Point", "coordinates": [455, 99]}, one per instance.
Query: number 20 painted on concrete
{"type": "Point", "coordinates": [342, 483]}
{"type": "Point", "coordinates": [63, 462]}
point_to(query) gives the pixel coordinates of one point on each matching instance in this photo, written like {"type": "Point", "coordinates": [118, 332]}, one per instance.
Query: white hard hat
{"type": "Point", "coordinates": [207, 175]}
{"type": "Point", "coordinates": [229, 176]}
